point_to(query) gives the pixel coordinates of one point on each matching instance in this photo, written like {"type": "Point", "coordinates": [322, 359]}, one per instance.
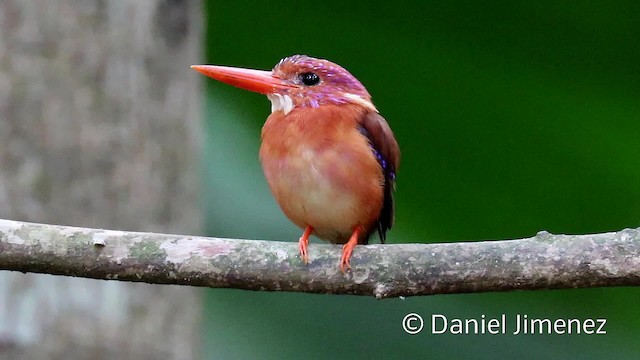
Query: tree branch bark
{"type": "Point", "coordinates": [544, 261]}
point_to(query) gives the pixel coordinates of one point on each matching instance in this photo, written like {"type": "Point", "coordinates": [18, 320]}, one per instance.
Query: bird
{"type": "Point", "coordinates": [329, 157]}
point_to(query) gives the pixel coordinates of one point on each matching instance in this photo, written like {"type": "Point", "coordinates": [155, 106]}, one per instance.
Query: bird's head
{"type": "Point", "coordinates": [296, 82]}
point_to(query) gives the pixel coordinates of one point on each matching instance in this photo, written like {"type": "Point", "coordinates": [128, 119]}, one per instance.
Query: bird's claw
{"type": "Point", "coordinates": [347, 250]}
{"type": "Point", "coordinates": [302, 244]}
{"type": "Point", "coordinates": [345, 260]}
{"type": "Point", "coordinates": [303, 252]}
{"type": "Point", "coordinates": [344, 265]}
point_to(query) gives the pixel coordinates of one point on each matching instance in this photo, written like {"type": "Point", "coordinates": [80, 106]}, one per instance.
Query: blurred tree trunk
{"type": "Point", "coordinates": [99, 128]}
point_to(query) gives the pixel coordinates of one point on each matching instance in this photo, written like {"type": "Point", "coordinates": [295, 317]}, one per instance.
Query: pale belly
{"type": "Point", "coordinates": [333, 189]}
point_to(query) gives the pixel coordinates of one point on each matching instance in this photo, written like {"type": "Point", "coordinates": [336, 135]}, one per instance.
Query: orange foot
{"type": "Point", "coordinates": [347, 249]}
{"type": "Point", "coordinates": [302, 244]}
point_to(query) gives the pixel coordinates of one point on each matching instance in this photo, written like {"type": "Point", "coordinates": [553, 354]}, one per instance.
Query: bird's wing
{"type": "Point", "coordinates": [385, 148]}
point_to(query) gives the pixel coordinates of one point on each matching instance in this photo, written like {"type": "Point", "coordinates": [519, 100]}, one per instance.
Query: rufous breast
{"type": "Point", "coordinates": [322, 171]}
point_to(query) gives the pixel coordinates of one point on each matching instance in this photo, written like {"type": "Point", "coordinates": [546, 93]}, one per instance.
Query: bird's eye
{"type": "Point", "coordinates": [310, 78]}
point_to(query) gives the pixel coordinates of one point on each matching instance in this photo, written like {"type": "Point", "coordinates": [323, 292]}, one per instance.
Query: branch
{"type": "Point", "coordinates": [544, 261]}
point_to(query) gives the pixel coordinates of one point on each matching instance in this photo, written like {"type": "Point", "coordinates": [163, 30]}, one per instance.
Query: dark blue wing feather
{"type": "Point", "coordinates": [386, 150]}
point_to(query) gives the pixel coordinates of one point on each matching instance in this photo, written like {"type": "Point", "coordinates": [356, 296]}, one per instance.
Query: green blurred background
{"type": "Point", "coordinates": [512, 117]}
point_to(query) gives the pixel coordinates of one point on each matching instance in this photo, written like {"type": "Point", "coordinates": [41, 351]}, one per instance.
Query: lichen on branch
{"type": "Point", "coordinates": [545, 261]}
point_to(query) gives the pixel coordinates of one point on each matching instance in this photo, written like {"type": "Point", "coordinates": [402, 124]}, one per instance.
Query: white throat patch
{"type": "Point", "coordinates": [280, 102]}
{"type": "Point", "coordinates": [285, 103]}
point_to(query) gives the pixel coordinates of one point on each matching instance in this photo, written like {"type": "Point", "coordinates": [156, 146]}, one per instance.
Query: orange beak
{"type": "Point", "coordinates": [259, 81]}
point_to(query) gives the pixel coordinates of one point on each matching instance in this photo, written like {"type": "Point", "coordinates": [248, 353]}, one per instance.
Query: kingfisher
{"type": "Point", "coordinates": [328, 156]}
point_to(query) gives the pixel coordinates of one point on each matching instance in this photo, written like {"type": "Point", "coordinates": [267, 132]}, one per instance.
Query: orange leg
{"type": "Point", "coordinates": [347, 249]}
{"type": "Point", "coordinates": [303, 242]}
